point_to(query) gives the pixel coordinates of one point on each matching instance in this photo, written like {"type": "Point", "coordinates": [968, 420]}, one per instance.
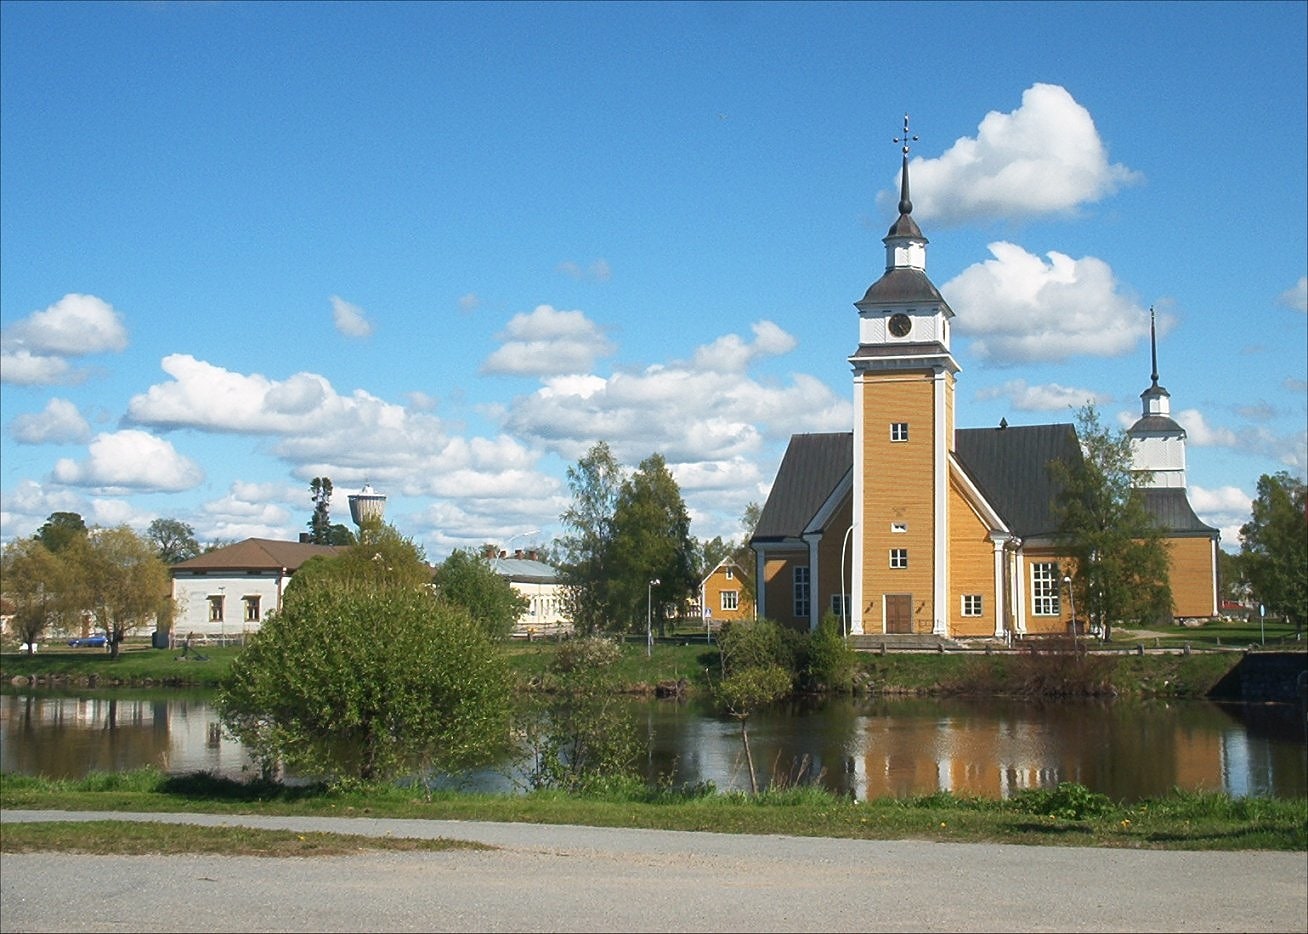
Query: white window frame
{"type": "Point", "coordinates": [898, 432]}
{"type": "Point", "coordinates": [729, 600]}
{"type": "Point", "coordinates": [217, 610]}
{"type": "Point", "coordinates": [972, 604]}
{"type": "Point", "coordinates": [802, 581]}
{"type": "Point", "coordinates": [1046, 597]}
{"type": "Point", "coordinates": [252, 608]}
{"type": "Point", "coordinates": [898, 558]}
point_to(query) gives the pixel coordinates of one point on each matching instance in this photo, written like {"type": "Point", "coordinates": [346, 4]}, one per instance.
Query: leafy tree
{"type": "Point", "coordinates": [368, 685]}
{"type": "Point", "coordinates": [33, 581]}
{"type": "Point", "coordinates": [126, 586]}
{"type": "Point", "coordinates": [743, 693]}
{"type": "Point", "coordinates": [651, 541]}
{"type": "Point", "coordinates": [1274, 546]}
{"type": "Point", "coordinates": [582, 741]}
{"type": "Point", "coordinates": [586, 551]}
{"type": "Point", "coordinates": [173, 540]}
{"type": "Point", "coordinates": [320, 523]}
{"type": "Point", "coordinates": [829, 660]}
{"type": "Point", "coordinates": [339, 534]}
{"type": "Point", "coordinates": [1120, 564]}
{"type": "Point", "coordinates": [758, 659]}
{"type": "Point", "coordinates": [469, 581]}
{"type": "Point", "coordinates": [61, 529]}
{"type": "Point", "coordinates": [386, 559]}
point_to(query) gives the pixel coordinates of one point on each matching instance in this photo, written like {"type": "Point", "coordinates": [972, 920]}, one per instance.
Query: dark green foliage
{"type": "Point", "coordinates": [387, 558]}
{"type": "Point", "coordinates": [1068, 801]}
{"type": "Point", "coordinates": [829, 663]}
{"type": "Point", "coordinates": [580, 738]}
{"type": "Point", "coordinates": [320, 523]}
{"type": "Point", "coordinates": [1274, 547]}
{"type": "Point", "coordinates": [173, 539]}
{"type": "Point", "coordinates": [757, 643]}
{"type": "Point", "coordinates": [367, 684]}
{"type": "Point", "coordinates": [60, 529]}
{"type": "Point", "coordinates": [1120, 563]}
{"type": "Point", "coordinates": [469, 581]}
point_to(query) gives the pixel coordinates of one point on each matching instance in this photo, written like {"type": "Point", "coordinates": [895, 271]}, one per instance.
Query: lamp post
{"type": "Point", "coordinates": [1071, 599]}
{"type": "Point", "coordinates": [844, 594]}
{"type": "Point", "coordinates": [649, 617]}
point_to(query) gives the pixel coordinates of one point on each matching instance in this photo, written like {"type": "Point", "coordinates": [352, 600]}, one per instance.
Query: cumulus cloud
{"type": "Point", "coordinates": [548, 342]}
{"type": "Point", "coordinates": [130, 460]}
{"type": "Point", "coordinates": [1225, 508]}
{"type": "Point", "coordinates": [1296, 296]}
{"type": "Point", "coordinates": [1289, 449]}
{"type": "Point", "coordinates": [1020, 308]}
{"type": "Point", "coordinates": [681, 409]}
{"type": "Point", "coordinates": [33, 351]}
{"type": "Point", "coordinates": [1045, 157]}
{"type": "Point", "coordinates": [58, 423]}
{"type": "Point", "coordinates": [1047, 398]}
{"type": "Point", "coordinates": [350, 319]}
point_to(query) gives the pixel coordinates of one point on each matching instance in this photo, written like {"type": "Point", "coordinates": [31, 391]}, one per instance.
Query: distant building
{"type": "Point", "coordinates": [539, 583]}
{"type": "Point", "coordinates": [227, 592]}
{"type": "Point", "coordinates": [724, 594]}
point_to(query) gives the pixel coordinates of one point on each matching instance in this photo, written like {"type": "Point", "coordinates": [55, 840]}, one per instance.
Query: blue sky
{"type": "Point", "coordinates": [444, 248]}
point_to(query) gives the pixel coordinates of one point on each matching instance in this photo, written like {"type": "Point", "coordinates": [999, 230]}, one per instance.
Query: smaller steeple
{"type": "Point", "coordinates": [904, 226]}
{"type": "Point", "coordinates": [1157, 441]}
{"type": "Point", "coordinates": [1155, 400]}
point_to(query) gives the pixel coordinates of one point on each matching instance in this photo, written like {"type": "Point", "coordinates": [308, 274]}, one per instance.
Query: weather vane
{"type": "Point", "coordinates": [905, 139]}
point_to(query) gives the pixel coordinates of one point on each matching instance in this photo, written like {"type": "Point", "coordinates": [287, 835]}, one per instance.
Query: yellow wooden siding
{"type": "Point", "coordinates": [833, 539]}
{"type": "Point", "coordinates": [1191, 576]}
{"type": "Point", "coordinates": [716, 584]}
{"type": "Point", "coordinates": [971, 568]}
{"type": "Point", "coordinates": [779, 597]}
{"type": "Point", "coordinates": [898, 488]}
{"type": "Point", "coordinates": [1047, 625]}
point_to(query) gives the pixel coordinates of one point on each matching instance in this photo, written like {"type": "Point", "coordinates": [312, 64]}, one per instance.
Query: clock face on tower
{"type": "Point", "coordinates": [900, 325]}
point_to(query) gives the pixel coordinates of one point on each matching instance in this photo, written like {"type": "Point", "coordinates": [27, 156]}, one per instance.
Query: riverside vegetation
{"type": "Point", "coordinates": [1069, 814]}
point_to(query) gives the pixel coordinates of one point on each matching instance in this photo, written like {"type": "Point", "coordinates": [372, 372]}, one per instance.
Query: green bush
{"type": "Point", "coordinates": [829, 662]}
{"type": "Point", "coordinates": [1068, 801]}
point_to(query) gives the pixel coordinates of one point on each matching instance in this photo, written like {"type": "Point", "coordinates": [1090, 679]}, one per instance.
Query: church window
{"type": "Point", "coordinates": [1044, 589]}
{"type": "Point", "coordinates": [840, 605]}
{"type": "Point", "coordinates": [730, 600]}
{"type": "Point", "coordinates": [971, 604]}
{"type": "Point", "coordinates": [899, 528]}
{"type": "Point", "coordinates": [215, 609]}
{"type": "Point", "coordinates": [899, 557]}
{"type": "Point", "coordinates": [252, 609]}
{"type": "Point", "coordinates": [801, 591]}
{"type": "Point", "coordinates": [899, 431]}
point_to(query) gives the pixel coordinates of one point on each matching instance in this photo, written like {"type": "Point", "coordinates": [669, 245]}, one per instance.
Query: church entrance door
{"type": "Point", "coordinates": [899, 612]}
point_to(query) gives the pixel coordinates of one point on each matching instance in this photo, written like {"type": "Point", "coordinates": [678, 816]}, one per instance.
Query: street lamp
{"type": "Point", "coordinates": [1071, 598]}
{"type": "Point", "coordinates": [649, 617]}
{"type": "Point", "coordinates": [844, 594]}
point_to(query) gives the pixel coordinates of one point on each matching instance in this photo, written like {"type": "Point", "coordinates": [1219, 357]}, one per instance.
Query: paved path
{"type": "Point", "coordinates": [567, 878]}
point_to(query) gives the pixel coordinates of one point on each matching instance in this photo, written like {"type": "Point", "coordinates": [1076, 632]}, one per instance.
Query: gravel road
{"type": "Point", "coordinates": [567, 878]}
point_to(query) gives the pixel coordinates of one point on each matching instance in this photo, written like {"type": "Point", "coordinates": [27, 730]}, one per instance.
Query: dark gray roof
{"type": "Point", "coordinates": [1171, 509]}
{"type": "Point", "coordinates": [1155, 423]}
{"type": "Point", "coordinates": [810, 470]}
{"type": "Point", "coordinates": [902, 286]}
{"type": "Point", "coordinates": [1010, 466]}
{"type": "Point", "coordinates": [905, 226]}
{"type": "Point", "coordinates": [913, 349]}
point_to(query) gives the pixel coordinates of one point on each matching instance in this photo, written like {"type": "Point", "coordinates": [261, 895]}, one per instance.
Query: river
{"type": "Point", "coordinates": [862, 747]}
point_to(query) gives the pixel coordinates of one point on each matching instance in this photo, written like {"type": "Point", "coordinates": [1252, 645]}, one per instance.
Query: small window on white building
{"type": "Point", "coordinates": [252, 609]}
{"type": "Point", "coordinates": [216, 609]}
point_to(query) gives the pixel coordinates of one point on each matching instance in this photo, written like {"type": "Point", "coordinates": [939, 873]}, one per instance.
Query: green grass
{"type": "Point", "coordinates": [141, 837]}
{"type": "Point", "coordinates": [1067, 815]}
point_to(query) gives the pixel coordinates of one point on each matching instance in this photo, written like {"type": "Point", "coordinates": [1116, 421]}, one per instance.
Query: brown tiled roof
{"type": "Point", "coordinates": [258, 554]}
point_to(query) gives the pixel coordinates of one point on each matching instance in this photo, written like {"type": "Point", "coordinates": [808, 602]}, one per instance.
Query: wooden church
{"type": "Point", "coordinates": [909, 525]}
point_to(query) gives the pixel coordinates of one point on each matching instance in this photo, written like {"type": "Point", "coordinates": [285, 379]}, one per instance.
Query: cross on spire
{"type": "Point", "coordinates": [905, 139]}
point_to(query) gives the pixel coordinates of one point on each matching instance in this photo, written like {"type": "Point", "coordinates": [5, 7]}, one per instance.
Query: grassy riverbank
{"type": "Point", "coordinates": [1068, 815]}
{"type": "Point", "coordinates": [1176, 662]}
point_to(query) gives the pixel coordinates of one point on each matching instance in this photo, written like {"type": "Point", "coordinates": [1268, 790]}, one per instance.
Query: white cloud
{"type": "Point", "coordinates": [29, 504]}
{"type": "Point", "coordinates": [1296, 296]}
{"type": "Point", "coordinates": [548, 342]}
{"type": "Point", "coordinates": [1290, 449]}
{"type": "Point", "coordinates": [130, 460]}
{"type": "Point", "coordinates": [58, 423]}
{"type": "Point", "coordinates": [1225, 508]}
{"type": "Point", "coordinates": [24, 368]}
{"type": "Point", "coordinates": [74, 326]}
{"type": "Point", "coordinates": [1047, 398]}
{"type": "Point", "coordinates": [731, 354]}
{"type": "Point", "coordinates": [469, 302]}
{"type": "Point", "coordinates": [350, 319]}
{"type": "Point", "coordinates": [1201, 434]}
{"type": "Point", "coordinates": [1045, 157]}
{"type": "Point", "coordinates": [1019, 308]}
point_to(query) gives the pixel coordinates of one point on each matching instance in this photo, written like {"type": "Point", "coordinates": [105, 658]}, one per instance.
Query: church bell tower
{"type": "Point", "coordinates": [904, 377]}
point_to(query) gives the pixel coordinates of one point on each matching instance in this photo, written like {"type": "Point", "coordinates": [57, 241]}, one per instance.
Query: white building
{"type": "Point", "coordinates": [227, 592]}
{"type": "Point", "coordinates": [539, 583]}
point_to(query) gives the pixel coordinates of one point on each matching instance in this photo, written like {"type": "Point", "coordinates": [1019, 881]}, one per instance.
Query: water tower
{"type": "Point", "coordinates": [367, 508]}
